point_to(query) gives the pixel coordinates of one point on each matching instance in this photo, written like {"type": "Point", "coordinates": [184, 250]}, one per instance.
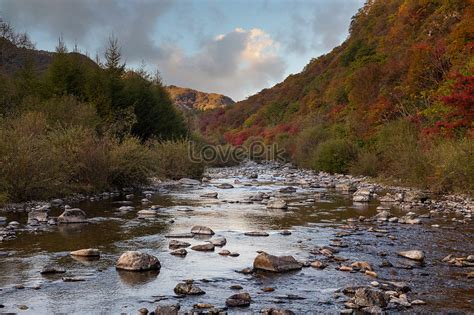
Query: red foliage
{"type": "Point", "coordinates": [460, 120]}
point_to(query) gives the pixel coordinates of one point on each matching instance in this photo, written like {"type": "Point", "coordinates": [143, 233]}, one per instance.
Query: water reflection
{"type": "Point", "coordinates": [137, 278]}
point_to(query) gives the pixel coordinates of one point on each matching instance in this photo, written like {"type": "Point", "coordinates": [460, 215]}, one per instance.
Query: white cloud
{"type": "Point", "coordinates": [235, 63]}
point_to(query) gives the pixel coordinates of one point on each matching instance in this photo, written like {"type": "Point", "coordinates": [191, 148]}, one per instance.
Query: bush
{"type": "Point", "coordinates": [333, 155]}
{"type": "Point", "coordinates": [131, 163]}
{"type": "Point", "coordinates": [368, 163]}
{"type": "Point", "coordinates": [453, 166]}
{"type": "Point", "coordinates": [171, 159]}
{"type": "Point", "coordinates": [307, 142]}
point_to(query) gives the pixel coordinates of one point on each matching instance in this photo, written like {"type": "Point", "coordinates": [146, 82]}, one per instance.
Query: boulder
{"type": "Point", "coordinates": [138, 261]}
{"type": "Point", "coordinates": [188, 289]}
{"type": "Point", "coordinates": [273, 263]}
{"type": "Point", "coordinates": [208, 247]}
{"type": "Point", "coordinates": [417, 255]}
{"type": "Point", "coordinates": [202, 230]}
{"type": "Point", "coordinates": [239, 299]}
{"type": "Point", "coordinates": [175, 244]}
{"type": "Point", "coordinates": [88, 252]}
{"type": "Point", "coordinates": [73, 215]}
{"type": "Point", "coordinates": [277, 204]}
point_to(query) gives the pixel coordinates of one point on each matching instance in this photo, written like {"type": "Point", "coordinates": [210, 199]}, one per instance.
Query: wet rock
{"type": "Point", "coordinates": [171, 309]}
{"type": "Point", "coordinates": [362, 195]}
{"type": "Point", "coordinates": [276, 311]}
{"type": "Point", "coordinates": [366, 297]}
{"type": "Point", "coordinates": [208, 247]}
{"type": "Point", "coordinates": [417, 255]}
{"type": "Point", "coordinates": [50, 269]}
{"type": "Point", "coordinates": [224, 252]}
{"type": "Point", "coordinates": [277, 204]}
{"type": "Point", "coordinates": [202, 230]}
{"type": "Point", "coordinates": [225, 186]}
{"type": "Point", "coordinates": [175, 244]}
{"type": "Point", "coordinates": [88, 252]}
{"type": "Point", "coordinates": [73, 279]}
{"type": "Point", "coordinates": [361, 265]}
{"type": "Point", "coordinates": [418, 302]}
{"type": "Point", "coordinates": [236, 287]}
{"type": "Point", "coordinates": [184, 288]}
{"type": "Point", "coordinates": [38, 216]}
{"type": "Point", "coordinates": [318, 264]}
{"type": "Point", "coordinates": [179, 252]}
{"type": "Point", "coordinates": [180, 235]}
{"type": "Point", "coordinates": [287, 190]}
{"type": "Point", "coordinates": [239, 300]}
{"type": "Point", "coordinates": [268, 289]}
{"type": "Point", "coordinates": [137, 261]}
{"type": "Point", "coordinates": [218, 241]}
{"type": "Point", "coordinates": [147, 213]}
{"type": "Point", "coordinates": [189, 182]}
{"type": "Point", "coordinates": [22, 307]}
{"type": "Point", "coordinates": [74, 215]}
{"type": "Point", "coordinates": [256, 233]}
{"type": "Point", "coordinates": [345, 268]}
{"type": "Point", "coordinates": [209, 195]}
{"type": "Point", "coordinates": [126, 208]}
{"type": "Point", "coordinates": [273, 263]}
{"type": "Point", "coordinates": [143, 311]}
{"type": "Point", "coordinates": [285, 232]}
{"type": "Point", "coordinates": [371, 273]}
{"type": "Point", "coordinates": [234, 254]}
{"type": "Point", "coordinates": [246, 271]}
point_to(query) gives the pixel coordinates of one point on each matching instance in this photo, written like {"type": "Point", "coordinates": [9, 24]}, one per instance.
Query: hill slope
{"type": "Point", "coordinates": [189, 99]}
{"type": "Point", "coordinates": [405, 63]}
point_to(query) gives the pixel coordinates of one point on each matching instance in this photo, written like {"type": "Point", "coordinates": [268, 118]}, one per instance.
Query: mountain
{"type": "Point", "coordinates": [406, 71]}
{"type": "Point", "coordinates": [189, 99]}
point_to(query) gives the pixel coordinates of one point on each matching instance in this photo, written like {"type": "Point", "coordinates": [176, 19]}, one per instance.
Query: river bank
{"type": "Point", "coordinates": [320, 219]}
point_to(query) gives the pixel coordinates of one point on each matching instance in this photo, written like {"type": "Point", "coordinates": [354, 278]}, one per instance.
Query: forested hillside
{"type": "Point", "coordinates": [395, 100]}
{"type": "Point", "coordinates": [189, 99]}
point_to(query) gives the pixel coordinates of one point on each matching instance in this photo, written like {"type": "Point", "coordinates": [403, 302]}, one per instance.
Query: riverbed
{"type": "Point", "coordinates": [316, 216]}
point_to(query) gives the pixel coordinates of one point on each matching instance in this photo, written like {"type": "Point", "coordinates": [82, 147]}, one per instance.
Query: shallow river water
{"type": "Point", "coordinates": [312, 224]}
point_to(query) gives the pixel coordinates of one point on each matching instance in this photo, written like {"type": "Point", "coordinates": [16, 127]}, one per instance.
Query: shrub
{"type": "Point", "coordinates": [333, 155]}
{"type": "Point", "coordinates": [368, 163]}
{"type": "Point", "coordinates": [171, 159]}
{"type": "Point", "coordinates": [307, 142]}
{"type": "Point", "coordinates": [131, 163]}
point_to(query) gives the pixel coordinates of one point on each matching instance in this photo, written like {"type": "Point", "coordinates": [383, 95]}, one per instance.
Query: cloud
{"type": "Point", "coordinates": [235, 63]}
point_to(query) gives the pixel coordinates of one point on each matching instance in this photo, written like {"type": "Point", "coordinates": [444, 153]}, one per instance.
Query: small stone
{"type": "Point", "coordinates": [23, 307]}
{"type": "Point", "coordinates": [188, 289]}
{"type": "Point", "coordinates": [345, 268]}
{"type": "Point", "coordinates": [172, 309]}
{"type": "Point", "coordinates": [365, 297]}
{"type": "Point", "coordinates": [218, 241]}
{"type": "Point", "coordinates": [74, 215]}
{"type": "Point", "coordinates": [239, 300]}
{"type": "Point", "coordinates": [203, 305]}
{"type": "Point", "coordinates": [418, 302]}
{"type": "Point", "coordinates": [318, 264]}
{"type": "Point", "coordinates": [374, 284]}
{"type": "Point", "coordinates": [174, 244]}
{"type": "Point", "coordinates": [417, 255]}
{"type": "Point", "coordinates": [202, 230]}
{"type": "Point", "coordinates": [277, 204]}
{"type": "Point", "coordinates": [268, 289]}
{"type": "Point", "coordinates": [143, 311]}
{"type": "Point", "coordinates": [246, 271]}
{"type": "Point", "coordinates": [234, 254]}
{"type": "Point", "coordinates": [208, 247]}
{"type": "Point", "coordinates": [363, 265]}
{"type": "Point", "coordinates": [225, 186]}
{"type": "Point", "coordinates": [73, 279]}
{"type": "Point", "coordinates": [224, 252]}
{"type": "Point", "coordinates": [285, 232]}
{"type": "Point", "coordinates": [209, 195]}
{"type": "Point", "coordinates": [256, 233]}
{"type": "Point", "coordinates": [179, 252]}
{"type": "Point", "coordinates": [89, 252]}
{"type": "Point", "coordinates": [371, 273]}
{"type": "Point", "coordinates": [52, 269]}
{"type": "Point", "coordinates": [236, 287]}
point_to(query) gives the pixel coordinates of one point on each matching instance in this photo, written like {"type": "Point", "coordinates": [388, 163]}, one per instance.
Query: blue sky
{"type": "Point", "coordinates": [233, 47]}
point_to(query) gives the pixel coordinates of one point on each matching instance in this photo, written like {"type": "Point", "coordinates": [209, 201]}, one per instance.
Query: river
{"type": "Point", "coordinates": [313, 224]}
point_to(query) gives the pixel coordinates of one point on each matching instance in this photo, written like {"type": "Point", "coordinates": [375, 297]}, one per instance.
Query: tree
{"type": "Point", "coordinates": [113, 56]}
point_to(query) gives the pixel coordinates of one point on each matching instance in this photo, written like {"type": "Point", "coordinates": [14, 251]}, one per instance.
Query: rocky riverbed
{"type": "Point", "coordinates": [254, 238]}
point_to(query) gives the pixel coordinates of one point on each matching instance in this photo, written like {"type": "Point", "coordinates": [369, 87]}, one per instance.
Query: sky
{"type": "Point", "coordinates": [232, 47]}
